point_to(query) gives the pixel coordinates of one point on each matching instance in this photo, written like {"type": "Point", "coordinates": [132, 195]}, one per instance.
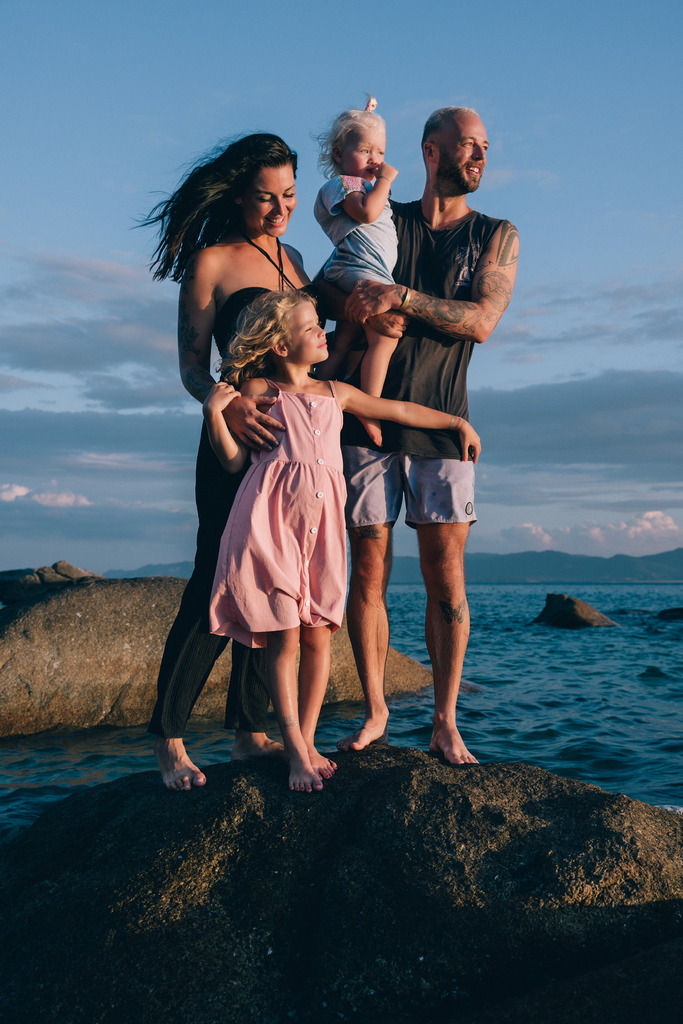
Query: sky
{"type": "Point", "coordinates": [576, 395]}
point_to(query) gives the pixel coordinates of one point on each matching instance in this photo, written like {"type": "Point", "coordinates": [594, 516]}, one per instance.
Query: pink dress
{"type": "Point", "coordinates": [282, 560]}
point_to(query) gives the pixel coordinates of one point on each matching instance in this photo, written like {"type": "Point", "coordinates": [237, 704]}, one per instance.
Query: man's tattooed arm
{"type": "Point", "coordinates": [492, 286]}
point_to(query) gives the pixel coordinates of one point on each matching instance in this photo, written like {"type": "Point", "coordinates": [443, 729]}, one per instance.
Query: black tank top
{"type": "Point", "coordinates": [227, 315]}
{"type": "Point", "coordinates": [429, 367]}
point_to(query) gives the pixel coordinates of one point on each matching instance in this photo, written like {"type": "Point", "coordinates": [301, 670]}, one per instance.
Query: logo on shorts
{"type": "Point", "coordinates": [469, 508]}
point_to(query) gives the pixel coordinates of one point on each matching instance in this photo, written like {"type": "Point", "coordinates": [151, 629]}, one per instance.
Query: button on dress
{"type": "Point", "coordinates": [282, 560]}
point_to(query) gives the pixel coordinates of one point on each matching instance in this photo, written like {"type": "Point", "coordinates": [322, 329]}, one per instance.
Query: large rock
{"type": "Point", "coordinates": [89, 655]}
{"type": "Point", "coordinates": [406, 890]}
{"type": "Point", "coordinates": [19, 586]}
{"type": "Point", "coordinates": [569, 613]}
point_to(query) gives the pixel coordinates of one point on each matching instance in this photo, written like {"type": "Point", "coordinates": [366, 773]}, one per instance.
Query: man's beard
{"type": "Point", "coordinates": [452, 180]}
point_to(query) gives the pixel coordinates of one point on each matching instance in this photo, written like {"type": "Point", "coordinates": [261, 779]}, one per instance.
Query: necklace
{"type": "Point", "coordinates": [283, 280]}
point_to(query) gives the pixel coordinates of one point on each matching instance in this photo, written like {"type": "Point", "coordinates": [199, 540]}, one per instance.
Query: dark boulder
{"type": "Point", "coordinates": [406, 887]}
{"type": "Point", "coordinates": [89, 655]}
{"type": "Point", "coordinates": [671, 614]}
{"type": "Point", "coordinates": [566, 612]}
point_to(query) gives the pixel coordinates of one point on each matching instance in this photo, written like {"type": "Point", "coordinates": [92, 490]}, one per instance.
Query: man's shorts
{"type": "Point", "coordinates": [435, 490]}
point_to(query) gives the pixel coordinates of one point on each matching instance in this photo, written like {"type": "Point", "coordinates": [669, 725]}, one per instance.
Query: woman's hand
{"type": "Point", "coordinates": [470, 442]}
{"type": "Point", "coordinates": [249, 424]}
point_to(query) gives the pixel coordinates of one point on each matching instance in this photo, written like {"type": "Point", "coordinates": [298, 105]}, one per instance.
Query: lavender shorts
{"type": "Point", "coordinates": [435, 490]}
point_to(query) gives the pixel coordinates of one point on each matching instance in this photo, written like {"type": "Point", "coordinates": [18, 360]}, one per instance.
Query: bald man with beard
{"type": "Point", "coordinates": [454, 278]}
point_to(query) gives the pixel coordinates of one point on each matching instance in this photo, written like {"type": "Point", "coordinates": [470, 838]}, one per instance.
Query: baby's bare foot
{"type": "Point", "coordinates": [177, 770]}
{"type": "Point", "coordinates": [373, 730]}
{"type": "Point", "coordinates": [254, 744]}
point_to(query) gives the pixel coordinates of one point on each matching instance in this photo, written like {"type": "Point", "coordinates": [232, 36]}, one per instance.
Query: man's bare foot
{"type": "Point", "coordinates": [447, 741]}
{"type": "Point", "coordinates": [373, 730]}
{"type": "Point", "coordinates": [324, 766]}
{"type": "Point", "coordinates": [302, 776]}
{"type": "Point", "coordinates": [177, 771]}
{"type": "Point", "coordinates": [254, 744]}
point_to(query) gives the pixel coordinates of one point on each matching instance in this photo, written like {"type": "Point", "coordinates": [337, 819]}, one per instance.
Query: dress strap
{"type": "Point", "coordinates": [279, 266]}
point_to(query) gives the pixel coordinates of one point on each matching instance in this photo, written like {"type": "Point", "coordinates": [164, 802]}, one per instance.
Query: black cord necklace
{"type": "Point", "coordinates": [283, 280]}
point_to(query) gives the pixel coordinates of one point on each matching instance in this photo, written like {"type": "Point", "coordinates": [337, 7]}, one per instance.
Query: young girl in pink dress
{"type": "Point", "coordinates": [280, 580]}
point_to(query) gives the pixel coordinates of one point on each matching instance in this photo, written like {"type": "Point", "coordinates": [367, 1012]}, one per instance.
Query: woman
{"type": "Point", "coordinates": [220, 237]}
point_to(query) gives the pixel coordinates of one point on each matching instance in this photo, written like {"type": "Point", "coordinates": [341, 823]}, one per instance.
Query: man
{"type": "Point", "coordinates": [454, 279]}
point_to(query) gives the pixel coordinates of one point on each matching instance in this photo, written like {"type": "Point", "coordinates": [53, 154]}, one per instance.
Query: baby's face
{"type": "Point", "coordinates": [363, 154]}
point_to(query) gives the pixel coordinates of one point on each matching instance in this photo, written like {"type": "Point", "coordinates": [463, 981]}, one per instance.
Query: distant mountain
{"type": "Point", "coordinates": [557, 567]}
{"type": "Point", "coordinates": [181, 569]}
{"type": "Point", "coordinates": [524, 567]}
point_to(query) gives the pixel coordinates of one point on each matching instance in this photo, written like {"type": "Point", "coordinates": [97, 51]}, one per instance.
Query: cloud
{"type": "Point", "coordinates": [10, 492]}
{"type": "Point", "coordinates": [61, 499]}
{"type": "Point", "coordinates": [107, 325]}
{"type": "Point", "coordinates": [621, 424]}
{"type": "Point", "coordinates": [647, 533]}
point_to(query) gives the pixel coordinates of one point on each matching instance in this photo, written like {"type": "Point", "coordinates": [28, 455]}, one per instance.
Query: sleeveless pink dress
{"type": "Point", "coordinates": [282, 558]}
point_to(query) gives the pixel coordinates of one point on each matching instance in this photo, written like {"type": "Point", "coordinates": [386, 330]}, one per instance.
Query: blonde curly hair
{"type": "Point", "coordinates": [350, 124]}
{"type": "Point", "coordinates": [260, 327]}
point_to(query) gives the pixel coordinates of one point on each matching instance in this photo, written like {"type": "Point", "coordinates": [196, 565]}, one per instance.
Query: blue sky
{"type": "Point", "coordinates": [577, 395]}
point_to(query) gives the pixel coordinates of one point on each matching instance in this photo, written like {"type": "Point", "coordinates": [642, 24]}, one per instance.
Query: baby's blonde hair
{"type": "Point", "coordinates": [348, 124]}
{"type": "Point", "coordinates": [260, 327]}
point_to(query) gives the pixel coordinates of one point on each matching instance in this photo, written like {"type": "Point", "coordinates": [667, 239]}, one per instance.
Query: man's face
{"type": "Point", "coordinates": [462, 146]}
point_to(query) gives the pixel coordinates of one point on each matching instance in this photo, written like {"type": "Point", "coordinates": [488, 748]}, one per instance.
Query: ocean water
{"type": "Point", "coordinates": [601, 705]}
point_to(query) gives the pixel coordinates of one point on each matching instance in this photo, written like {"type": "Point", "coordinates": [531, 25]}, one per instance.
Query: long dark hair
{"type": "Point", "coordinates": [203, 208]}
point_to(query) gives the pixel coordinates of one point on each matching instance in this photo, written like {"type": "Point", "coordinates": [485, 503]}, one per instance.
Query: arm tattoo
{"type": "Point", "coordinates": [445, 314]}
{"type": "Point", "coordinates": [508, 247]}
{"type": "Point", "coordinates": [198, 382]}
{"type": "Point", "coordinates": [495, 288]}
{"type": "Point", "coordinates": [451, 614]}
{"type": "Point", "coordinates": [187, 334]}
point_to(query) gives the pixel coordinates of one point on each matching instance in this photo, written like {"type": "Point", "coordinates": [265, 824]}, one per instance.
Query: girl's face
{"type": "Point", "coordinates": [268, 203]}
{"type": "Point", "coordinates": [362, 155]}
{"type": "Point", "coordinates": [306, 342]}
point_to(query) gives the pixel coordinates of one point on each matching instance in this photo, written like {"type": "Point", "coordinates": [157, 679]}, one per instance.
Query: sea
{"type": "Point", "coordinates": [603, 705]}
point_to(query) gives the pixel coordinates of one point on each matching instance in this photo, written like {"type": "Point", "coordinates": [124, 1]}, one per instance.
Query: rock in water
{"type": "Point", "coordinates": [405, 887]}
{"type": "Point", "coordinates": [89, 655]}
{"type": "Point", "coordinates": [570, 613]}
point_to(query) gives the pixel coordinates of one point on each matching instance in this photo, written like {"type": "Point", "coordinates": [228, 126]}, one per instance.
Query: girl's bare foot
{"type": "Point", "coordinates": [447, 741]}
{"type": "Point", "coordinates": [254, 744]}
{"type": "Point", "coordinates": [373, 730]}
{"type": "Point", "coordinates": [324, 766]}
{"type": "Point", "coordinates": [302, 776]}
{"type": "Point", "coordinates": [177, 771]}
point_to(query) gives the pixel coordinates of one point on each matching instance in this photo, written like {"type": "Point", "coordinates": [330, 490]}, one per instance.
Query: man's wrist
{"type": "Point", "coordinates": [405, 297]}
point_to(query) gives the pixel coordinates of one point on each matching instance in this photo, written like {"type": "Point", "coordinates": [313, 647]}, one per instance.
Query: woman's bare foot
{"type": "Point", "coordinates": [254, 744]}
{"type": "Point", "coordinates": [447, 741]}
{"type": "Point", "coordinates": [324, 766]}
{"type": "Point", "coordinates": [373, 730]}
{"type": "Point", "coordinates": [177, 771]}
{"type": "Point", "coordinates": [302, 776]}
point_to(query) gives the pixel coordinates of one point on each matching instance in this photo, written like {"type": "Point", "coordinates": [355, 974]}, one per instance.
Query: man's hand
{"type": "Point", "coordinates": [369, 298]}
{"type": "Point", "coordinates": [250, 425]}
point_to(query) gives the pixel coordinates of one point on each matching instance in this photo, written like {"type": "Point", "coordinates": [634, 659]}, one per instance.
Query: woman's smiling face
{"type": "Point", "coordinates": [268, 203]}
